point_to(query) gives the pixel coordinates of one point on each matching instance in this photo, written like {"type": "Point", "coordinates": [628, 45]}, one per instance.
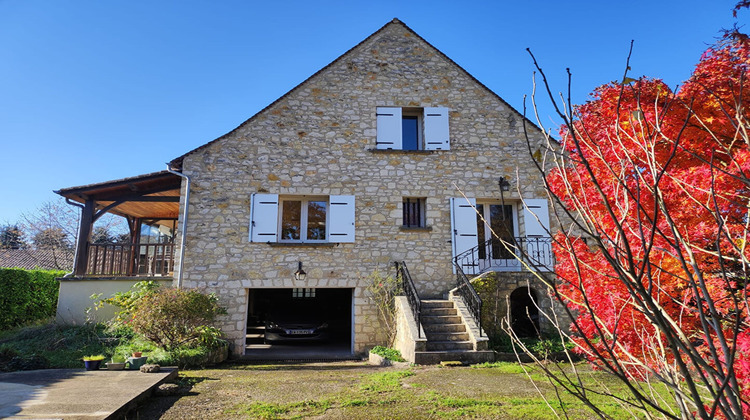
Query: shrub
{"type": "Point", "coordinates": [382, 290]}
{"type": "Point", "coordinates": [388, 353]}
{"type": "Point", "coordinates": [175, 317]}
{"type": "Point", "coordinates": [28, 295]}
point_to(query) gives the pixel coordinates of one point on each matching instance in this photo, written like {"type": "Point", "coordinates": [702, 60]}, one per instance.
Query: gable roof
{"type": "Point", "coordinates": [31, 259]}
{"type": "Point", "coordinates": [176, 164]}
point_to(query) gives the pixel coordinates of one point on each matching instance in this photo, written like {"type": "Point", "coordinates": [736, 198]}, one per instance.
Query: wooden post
{"type": "Point", "coordinates": [84, 235]}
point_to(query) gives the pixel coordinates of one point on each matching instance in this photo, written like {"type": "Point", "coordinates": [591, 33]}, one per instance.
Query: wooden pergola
{"type": "Point", "coordinates": [153, 199]}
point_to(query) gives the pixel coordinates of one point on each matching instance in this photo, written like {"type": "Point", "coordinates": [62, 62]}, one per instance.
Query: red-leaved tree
{"type": "Point", "coordinates": [654, 192]}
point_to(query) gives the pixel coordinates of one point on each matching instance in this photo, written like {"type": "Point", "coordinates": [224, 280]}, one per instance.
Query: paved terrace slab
{"type": "Point", "coordinates": [75, 393]}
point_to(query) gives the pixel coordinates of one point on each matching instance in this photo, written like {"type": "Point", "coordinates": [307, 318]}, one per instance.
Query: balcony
{"type": "Point", "coordinates": [522, 253]}
{"type": "Point", "coordinates": [129, 260]}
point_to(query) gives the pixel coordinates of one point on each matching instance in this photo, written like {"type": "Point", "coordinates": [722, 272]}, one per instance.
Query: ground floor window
{"type": "Point", "coordinates": [303, 220]}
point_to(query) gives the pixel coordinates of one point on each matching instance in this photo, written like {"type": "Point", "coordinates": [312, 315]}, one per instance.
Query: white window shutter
{"type": "Point", "coordinates": [464, 228]}
{"type": "Point", "coordinates": [389, 128]}
{"type": "Point", "coordinates": [264, 217]}
{"type": "Point", "coordinates": [436, 130]}
{"type": "Point", "coordinates": [538, 243]}
{"type": "Point", "coordinates": [341, 218]}
{"type": "Point", "coordinates": [536, 217]}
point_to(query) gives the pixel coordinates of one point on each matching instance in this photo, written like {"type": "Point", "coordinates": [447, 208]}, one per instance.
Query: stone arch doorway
{"type": "Point", "coordinates": [524, 312]}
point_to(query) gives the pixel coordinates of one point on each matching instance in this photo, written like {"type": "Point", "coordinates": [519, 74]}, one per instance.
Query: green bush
{"type": "Point", "coordinates": [27, 295]}
{"type": "Point", "coordinates": [388, 353]}
{"type": "Point", "coordinates": [175, 317]}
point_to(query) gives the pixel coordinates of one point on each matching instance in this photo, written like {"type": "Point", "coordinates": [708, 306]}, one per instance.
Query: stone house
{"type": "Point", "coordinates": [382, 156]}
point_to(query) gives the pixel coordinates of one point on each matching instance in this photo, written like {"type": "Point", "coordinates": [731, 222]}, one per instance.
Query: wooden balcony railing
{"type": "Point", "coordinates": [127, 260]}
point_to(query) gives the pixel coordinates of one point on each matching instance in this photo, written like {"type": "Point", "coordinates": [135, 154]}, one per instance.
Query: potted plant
{"type": "Point", "coordinates": [137, 354]}
{"type": "Point", "coordinates": [93, 362]}
{"type": "Point", "coordinates": [117, 363]}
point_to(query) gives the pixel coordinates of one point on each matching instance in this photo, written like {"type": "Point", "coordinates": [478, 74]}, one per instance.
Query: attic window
{"type": "Point", "coordinates": [412, 128]}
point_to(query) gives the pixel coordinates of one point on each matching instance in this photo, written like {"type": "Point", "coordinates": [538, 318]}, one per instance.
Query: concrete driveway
{"type": "Point", "coordinates": [75, 393]}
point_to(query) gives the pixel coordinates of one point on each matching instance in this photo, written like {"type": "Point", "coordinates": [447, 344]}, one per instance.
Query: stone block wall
{"type": "Point", "coordinates": [318, 140]}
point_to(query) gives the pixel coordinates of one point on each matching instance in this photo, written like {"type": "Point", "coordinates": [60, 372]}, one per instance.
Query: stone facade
{"type": "Point", "coordinates": [319, 139]}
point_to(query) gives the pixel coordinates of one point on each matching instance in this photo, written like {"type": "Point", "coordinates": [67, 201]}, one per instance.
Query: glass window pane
{"type": "Point", "coordinates": [480, 233]}
{"type": "Point", "coordinates": [316, 220]}
{"type": "Point", "coordinates": [410, 133]}
{"type": "Point", "coordinates": [501, 220]}
{"type": "Point", "coordinates": [291, 214]}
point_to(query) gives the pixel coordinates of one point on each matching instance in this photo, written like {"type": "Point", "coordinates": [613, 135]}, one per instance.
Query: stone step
{"type": "Point", "coordinates": [441, 319]}
{"type": "Point", "coordinates": [434, 303]}
{"type": "Point", "coordinates": [449, 345]}
{"type": "Point", "coordinates": [443, 328]}
{"type": "Point", "coordinates": [439, 311]}
{"type": "Point", "coordinates": [447, 336]}
{"type": "Point", "coordinates": [471, 356]}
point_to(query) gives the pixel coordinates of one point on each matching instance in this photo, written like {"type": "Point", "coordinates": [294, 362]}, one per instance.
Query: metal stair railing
{"type": "Point", "coordinates": [407, 285]}
{"type": "Point", "coordinates": [470, 296]}
{"type": "Point", "coordinates": [536, 251]}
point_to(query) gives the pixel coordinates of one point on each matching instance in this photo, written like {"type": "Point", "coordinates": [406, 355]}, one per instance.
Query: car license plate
{"type": "Point", "coordinates": [299, 332]}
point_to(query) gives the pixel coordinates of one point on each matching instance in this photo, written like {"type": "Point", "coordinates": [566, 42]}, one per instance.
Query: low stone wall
{"type": "Point", "coordinates": [407, 340]}
{"type": "Point", "coordinates": [75, 297]}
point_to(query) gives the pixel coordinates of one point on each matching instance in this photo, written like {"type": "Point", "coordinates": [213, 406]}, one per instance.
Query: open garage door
{"type": "Point", "coordinates": [299, 324]}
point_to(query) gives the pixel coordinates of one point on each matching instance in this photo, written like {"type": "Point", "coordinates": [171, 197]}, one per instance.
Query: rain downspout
{"type": "Point", "coordinates": [183, 227]}
{"type": "Point", "coordinates": [78, 245]}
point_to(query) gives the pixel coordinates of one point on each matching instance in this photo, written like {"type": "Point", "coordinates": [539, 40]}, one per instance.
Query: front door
{"type": "Point", "coordinates": [496, 250]}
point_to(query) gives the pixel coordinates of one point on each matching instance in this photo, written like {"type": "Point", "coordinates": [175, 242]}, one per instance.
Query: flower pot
{"type": "Point", "coordinates": [92, 364]}
{"type": "Point", "coordinates": [115, 366]}
{"type": "Point", "coordinates": [137, 354]}
{"type": "Point", "coordinates": [135, 363]}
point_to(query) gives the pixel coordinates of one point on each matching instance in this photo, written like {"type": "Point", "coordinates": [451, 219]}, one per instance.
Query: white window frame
{"type": "Point", "coordinates": [304, 200]}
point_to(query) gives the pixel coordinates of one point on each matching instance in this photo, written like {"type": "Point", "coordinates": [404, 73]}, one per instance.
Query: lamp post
{"type": "Point", "coordinates": [300, 274]}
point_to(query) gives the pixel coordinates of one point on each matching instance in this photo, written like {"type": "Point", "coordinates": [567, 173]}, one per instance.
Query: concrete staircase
{"type": "Point", "coordinates": [448, 338]}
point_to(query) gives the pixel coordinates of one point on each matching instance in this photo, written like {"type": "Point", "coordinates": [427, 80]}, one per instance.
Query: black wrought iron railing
{"type": "Point", "coordinates": [470, 296]}
{"type": "Point", "coordinates": [407, 285]}
{"type": "Point", "coordinates": [495, 254]}
{"type": "Point", "coordinates": [111, 259]}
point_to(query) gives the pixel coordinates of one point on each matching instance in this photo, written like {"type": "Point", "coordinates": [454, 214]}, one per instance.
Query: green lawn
{"type": "Point", "coordinates": [354, 390]}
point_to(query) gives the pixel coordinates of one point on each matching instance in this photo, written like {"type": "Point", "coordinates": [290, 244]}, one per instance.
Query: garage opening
{"type": "Point", "coordinates": [299, 324]}
{"type": "Point", "coordinates": [524, 312]}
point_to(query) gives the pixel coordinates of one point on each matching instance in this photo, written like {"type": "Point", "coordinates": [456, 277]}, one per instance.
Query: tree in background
{"type": "Point", "coordinates": [654, 264]}
{"type": "Point", "coordinates": [11, 237]}
{"type": "Point", "coordinates": [54, 224]}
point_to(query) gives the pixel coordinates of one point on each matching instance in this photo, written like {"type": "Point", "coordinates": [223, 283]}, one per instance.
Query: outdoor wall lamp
{"type": "Point", "coordinates": [300, 274]}
{"type": "Point", "coordinates": [503, 184]}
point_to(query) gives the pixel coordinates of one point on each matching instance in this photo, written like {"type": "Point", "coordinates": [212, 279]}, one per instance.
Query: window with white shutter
{"type": "Point", "coordinates": [412, 128]}
{"type": "Point", "coordinates": [464, 227]}
{"type": "Point", "coordinates": [305, 219]}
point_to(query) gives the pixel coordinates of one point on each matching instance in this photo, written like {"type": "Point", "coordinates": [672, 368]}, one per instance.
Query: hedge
{"type": "Point", "coordinates": [27, 295]}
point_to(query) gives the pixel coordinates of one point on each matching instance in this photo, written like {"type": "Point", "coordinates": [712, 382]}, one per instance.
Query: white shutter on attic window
{"type": "Point", "coordinates": [436, 130]}
{"type": "Point", "coordinates": [388, 128]}
{"type": "Point", "coordinates": [264, 217]}
{"type": "Point", "coordinates": [341, 218]}
{"type": "Point", "coordinates": [464, 227]}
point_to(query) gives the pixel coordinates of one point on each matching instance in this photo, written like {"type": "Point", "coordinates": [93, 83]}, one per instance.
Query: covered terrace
{"type": "Point", "coordinates": [150, 203]}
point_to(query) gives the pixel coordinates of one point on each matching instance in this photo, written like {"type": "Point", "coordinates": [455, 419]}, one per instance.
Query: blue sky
{"type": "Point", "coordinates": [95, 90]}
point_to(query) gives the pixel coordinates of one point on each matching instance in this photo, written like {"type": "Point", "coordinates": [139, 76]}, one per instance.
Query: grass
{"type": "Point", "coordinates": [352, 390]}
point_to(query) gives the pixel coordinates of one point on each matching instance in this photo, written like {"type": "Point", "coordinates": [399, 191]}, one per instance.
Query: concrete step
{"type": "Point", "coordinates": [434, 303]}
{"type": "Point", "coordinates": [441, 319]}
{"type": "Point", "coordinates": [449, 345]}
{"type": "Point", "coordinates": [439, 311]}
{"type": "Point", "coordinates": [471, 356]}
{"type": "Point", "coordinates": [447, 336]}
{"type": "Point", "coordinates": [443, 328]}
